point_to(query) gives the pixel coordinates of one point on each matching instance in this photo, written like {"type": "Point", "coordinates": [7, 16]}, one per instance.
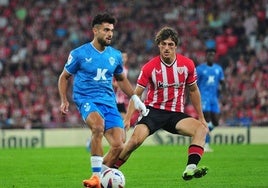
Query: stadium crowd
{"type": "Point", "coordinates": [37, 35]}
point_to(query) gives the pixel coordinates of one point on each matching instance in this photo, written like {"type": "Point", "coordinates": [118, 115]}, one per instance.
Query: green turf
{"type": "Point", "coordinates": [149, 167]}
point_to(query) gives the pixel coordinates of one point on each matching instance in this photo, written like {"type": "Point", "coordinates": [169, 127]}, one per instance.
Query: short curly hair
{"type": "Point", "coordinates": [165, 33]}
{"type": "Point", "coordinates": [103, 18]}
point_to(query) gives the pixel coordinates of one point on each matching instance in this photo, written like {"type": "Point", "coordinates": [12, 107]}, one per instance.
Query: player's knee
{"type": "Point", "coordinates": [97, 130]}
{"type": "Point", "coordinates": [117, 148]}
{"type": "Point", "coordinates": [203, 130]}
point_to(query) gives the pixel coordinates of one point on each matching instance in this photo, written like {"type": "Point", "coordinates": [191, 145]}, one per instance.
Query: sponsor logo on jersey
{"type": "Point", "coordinates": [88, 60]}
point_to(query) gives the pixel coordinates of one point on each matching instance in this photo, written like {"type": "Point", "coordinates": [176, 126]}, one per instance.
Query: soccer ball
{"type": "Point", "coordinates": [112, 178]}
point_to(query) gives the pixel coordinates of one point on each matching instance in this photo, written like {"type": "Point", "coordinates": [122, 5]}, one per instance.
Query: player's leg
{"type": "Point", "coordinates": [140, 133]}
{"type": "Point", "coordinates": [211, 125]}
{"type": "Point", "coordinates": [212, 118]}
{"type": "Point", "coordinates": [207, 115]}
{"type": "Point", "coordinates": [96, 124]}
{"type": "Point", "coordinates": [116, 139]}
{"type": "Point", "coordinates": [114, 134]}
{"type": "Point", "coordinates": [194, 128]}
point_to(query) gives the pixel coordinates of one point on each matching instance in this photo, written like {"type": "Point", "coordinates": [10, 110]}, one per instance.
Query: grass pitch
{"type": "Point", "coordinates": [148, 167]}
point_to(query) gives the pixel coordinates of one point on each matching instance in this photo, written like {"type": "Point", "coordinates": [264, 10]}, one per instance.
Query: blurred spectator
{"type": "Point", "coordinates": [36, 37]}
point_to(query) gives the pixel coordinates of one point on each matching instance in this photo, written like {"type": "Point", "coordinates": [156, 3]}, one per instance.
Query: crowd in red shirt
{"type": "Point", "coordinates": [36, 37]}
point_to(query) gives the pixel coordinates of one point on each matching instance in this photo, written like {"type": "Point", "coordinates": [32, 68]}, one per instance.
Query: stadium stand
{"type": "Point", "coordinates": [37, 35]}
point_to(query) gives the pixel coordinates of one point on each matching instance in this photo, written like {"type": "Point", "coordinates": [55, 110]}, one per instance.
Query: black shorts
{"type": "Point", "coordinates": [121, 107]}
{"type": "Point", "coordinates": [162, 119]}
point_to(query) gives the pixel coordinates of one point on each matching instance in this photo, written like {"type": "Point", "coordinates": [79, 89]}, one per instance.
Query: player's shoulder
{"type": "Point", "coordinates": [113, 50]}
{"type": "Point", "coordinates": [81, 49]}
{"type": "Point", "coordinates": [151, 63]}
{"type": "Point", "coordinates": [217, 66]}
{"type": "Point", "coordinates": [201, 65]}
{"type": "Point", "coordinates": [184, 58]}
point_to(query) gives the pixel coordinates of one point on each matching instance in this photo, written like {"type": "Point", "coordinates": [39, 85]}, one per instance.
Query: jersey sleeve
{"type": "Point", "coordinates": [72, 64]}
{"type": "Point", "coordinates": [144, 76]}
{"type": "Point", "coordinates": [192, 75]}
{"type": "Point", "coordinates": [119, 68]}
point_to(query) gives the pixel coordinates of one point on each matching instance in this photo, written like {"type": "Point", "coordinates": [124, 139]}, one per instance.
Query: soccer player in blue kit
{"type": "Point", "coordinates": [210, 80]}
{"type": "Point", "coordinates": [93, 66]}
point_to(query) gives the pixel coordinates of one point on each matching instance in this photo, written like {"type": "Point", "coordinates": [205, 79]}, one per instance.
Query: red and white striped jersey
{"type": "Point", "coordinates": [166, 83]}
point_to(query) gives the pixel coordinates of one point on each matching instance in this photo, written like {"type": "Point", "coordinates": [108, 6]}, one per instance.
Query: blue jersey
{"type": "Point", "coordinates": [208, 80]}
{"type": "Point", "coordinates": [93, 73]}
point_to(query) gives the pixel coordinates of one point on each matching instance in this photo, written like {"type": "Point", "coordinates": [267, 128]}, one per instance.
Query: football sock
{"type": "Point", "coordinates": [207, 139]}
{"type": "Point", "coordinates": [96, 164]}
{"type": "Point", "coordinates": [195, 153]}
{"type": "Point", "coordinates": [119, 163]}
{"type": "Point", "coordinates": [210, 127]}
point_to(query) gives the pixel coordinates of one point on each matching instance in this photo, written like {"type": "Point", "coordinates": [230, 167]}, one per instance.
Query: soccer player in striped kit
{"type": "Point", "coordinates": [166, 76]}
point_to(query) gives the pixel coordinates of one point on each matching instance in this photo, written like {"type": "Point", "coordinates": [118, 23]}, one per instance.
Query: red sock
{"type": "Point", "coordinates": [119, 163]}
{"type": "Point", "coordinates": [195, 153]}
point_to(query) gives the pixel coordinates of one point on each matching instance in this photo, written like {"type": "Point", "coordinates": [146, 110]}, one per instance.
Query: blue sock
{"type": "Point", "coordinates": [207, 139]}
{"type": "Point", "coordinates": [210, 127]}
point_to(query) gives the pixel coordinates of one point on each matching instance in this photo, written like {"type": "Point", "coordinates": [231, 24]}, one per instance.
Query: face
{"type": "Point", "coordinates": [104, 33]}
{"type": "Point", "coordinates": [210, 57]}
{"type": "Point", "coordinates": [167, 50]}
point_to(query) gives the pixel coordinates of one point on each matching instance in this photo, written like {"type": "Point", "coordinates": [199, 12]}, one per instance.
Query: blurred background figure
{"type": "Point", "coordinates": [211, 84]}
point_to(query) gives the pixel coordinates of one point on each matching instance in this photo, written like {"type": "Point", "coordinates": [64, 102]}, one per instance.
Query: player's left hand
{"type": "Point", "coordinates": [139, 105]}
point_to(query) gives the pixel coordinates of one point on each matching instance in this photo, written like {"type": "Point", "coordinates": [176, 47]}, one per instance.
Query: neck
{"type": "Point", "coordinates": [97, 45]}
{"type": "Point", "coordinates": [167, 61]}
{"type": "Point", "coordinates": [209, 63]}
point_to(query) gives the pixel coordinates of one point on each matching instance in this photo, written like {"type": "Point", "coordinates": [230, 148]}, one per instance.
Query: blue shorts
{"type": "Point", "coordinates": [111, 115]}
{"type": "Point", "coordinates": [210, 105]}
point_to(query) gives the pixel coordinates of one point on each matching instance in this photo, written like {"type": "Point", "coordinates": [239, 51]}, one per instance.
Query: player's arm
{"type": "Point", "coordinates": [124, 84]}
{"type": "Point", "coordinates": [62, 87]}
{"type": "Point", "coordinates": [126, 87]}
{"type": "Point", "coordinates": [131, 107]}
{"type": "Point", "coordinates": [195, 98]}
{"type": "Point", "coordinates": [222, 88]}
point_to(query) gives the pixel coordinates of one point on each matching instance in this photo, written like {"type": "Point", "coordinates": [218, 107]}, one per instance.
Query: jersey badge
{"type": "Point", "coordinates": [87, 107]}
{"type": "Point", "coordinates": [112, 61]}
{"type": "Point", "coordinates": [181, 70]}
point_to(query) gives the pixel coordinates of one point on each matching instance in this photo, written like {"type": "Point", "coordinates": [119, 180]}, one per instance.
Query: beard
{"type": "Point", "coordinates": [103, 42]}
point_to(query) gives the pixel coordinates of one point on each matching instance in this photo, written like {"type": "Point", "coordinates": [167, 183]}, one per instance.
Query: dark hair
{"type": "Point", "coordinates": [165, 33]}
{"type": "Point", "coordinates": [103, 18]}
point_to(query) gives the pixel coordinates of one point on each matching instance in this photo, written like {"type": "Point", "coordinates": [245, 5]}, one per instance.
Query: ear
{"type": "Point", "coordinates": [95, 30]}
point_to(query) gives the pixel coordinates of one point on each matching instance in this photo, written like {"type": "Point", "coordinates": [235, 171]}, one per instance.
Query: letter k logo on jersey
{"type": "Point", "coordinates": [100, 74]}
